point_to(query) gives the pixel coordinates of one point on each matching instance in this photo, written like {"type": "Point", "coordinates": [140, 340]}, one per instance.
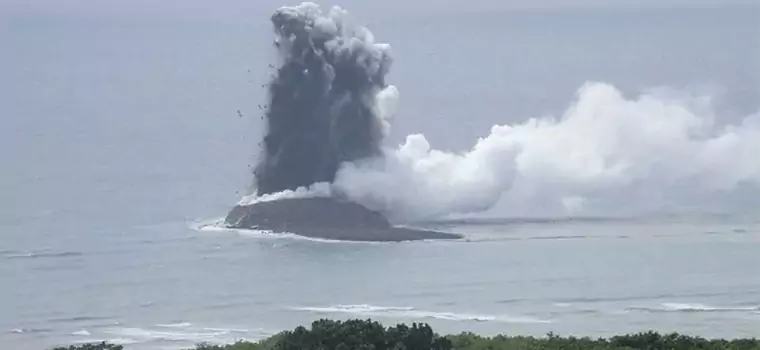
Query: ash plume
{"type": "Point", "coordinates": [322, 109]}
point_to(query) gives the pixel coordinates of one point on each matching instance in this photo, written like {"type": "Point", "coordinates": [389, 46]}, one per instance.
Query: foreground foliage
{"type": "Point", "coordinates": [370, 335]}
{"type": "Point", "coordinates": [98, 346]}
{"type": "Point", "coordinates": [348, 335]}
{"type": "Point", "coordinates": [644, 341]}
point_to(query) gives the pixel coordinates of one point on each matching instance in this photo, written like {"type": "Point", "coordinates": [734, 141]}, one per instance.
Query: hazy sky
{"type": "Point", "coordinates": [208, 9]}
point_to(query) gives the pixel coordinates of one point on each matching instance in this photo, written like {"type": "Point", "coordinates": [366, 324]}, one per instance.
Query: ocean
{"type": "Point", "coordinates": [126, 138]}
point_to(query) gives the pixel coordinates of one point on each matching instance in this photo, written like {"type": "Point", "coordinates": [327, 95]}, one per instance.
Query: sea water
{"type": "Point", "coordinates": [121, 144]}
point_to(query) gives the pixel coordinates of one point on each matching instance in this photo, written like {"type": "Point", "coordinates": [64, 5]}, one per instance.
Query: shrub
{"type": "Point", "coordinates": [97, 346]}
{"type": "Point", "coordinates": [361, 334]}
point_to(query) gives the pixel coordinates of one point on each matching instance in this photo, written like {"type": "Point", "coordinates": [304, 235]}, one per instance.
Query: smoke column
{"type": "Point", "coordinates": [330, 109]}
{"type": "Point", "coordinates": [322, 109]}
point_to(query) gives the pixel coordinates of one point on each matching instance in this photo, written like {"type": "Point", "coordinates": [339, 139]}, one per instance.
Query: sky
{"type": "Point", "coordinates": [220, 9]}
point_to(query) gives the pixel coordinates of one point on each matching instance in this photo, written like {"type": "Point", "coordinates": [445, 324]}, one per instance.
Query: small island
{"type": "Point", "coordinates": [325, 218]}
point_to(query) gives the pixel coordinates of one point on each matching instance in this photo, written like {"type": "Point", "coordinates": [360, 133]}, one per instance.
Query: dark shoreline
{"type": "Point", "coordinates": [326, 218]}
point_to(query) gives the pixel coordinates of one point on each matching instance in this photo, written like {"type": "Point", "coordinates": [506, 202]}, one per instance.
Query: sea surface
{"type": "Point", "coordinates": [121, 146]}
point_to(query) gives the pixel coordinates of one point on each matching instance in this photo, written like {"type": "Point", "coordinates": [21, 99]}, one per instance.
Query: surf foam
{"type": "Point", "coordinates": [218, 225]}
{"type": "Point", "coordinates": [706, 308]}
{"type": "Point", "coordinates": [413, 313]}
{"type": "Point", "coordinates": [697, 307]}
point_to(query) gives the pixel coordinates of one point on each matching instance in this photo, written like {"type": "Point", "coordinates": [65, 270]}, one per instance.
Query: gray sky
{"type": "Point", "coordinates": [217, 9]}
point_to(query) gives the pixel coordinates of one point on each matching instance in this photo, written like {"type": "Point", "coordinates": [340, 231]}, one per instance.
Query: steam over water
{"type": "Point", "coordinates": [654, 151]}
{"type": "Point", "coordinates": [330, 108]}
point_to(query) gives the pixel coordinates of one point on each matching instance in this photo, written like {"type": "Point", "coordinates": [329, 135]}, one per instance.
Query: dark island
{"type": "Point", "coordinates": [326, 218]}
{"type": "Point", "coordinates": [322, 112]}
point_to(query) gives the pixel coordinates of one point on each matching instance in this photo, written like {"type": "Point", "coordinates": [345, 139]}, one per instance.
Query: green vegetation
{"type": "Point", "coordinates": [370, 335]}
{"type": "Point", "coordinates": [348, 335]}
{"type": "Point", "coordinates": [98, 346]}
{"type": "Point", "coordinates": [644, 341]}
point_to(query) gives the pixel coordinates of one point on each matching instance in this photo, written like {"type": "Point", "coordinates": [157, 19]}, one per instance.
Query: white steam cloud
{"type": "Point", "coordinates": [604, 150]}
{"type": "Point", "coordinates": [605, 153]}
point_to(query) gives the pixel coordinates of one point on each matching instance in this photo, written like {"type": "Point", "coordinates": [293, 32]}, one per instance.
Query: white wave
{"type": "Point", "coordinates": [232, 330]}
{"type": "Point", "coordinates": [214, 224]}
{"type": "Point", "coordinates": [696, 307]}
{"type": "Point", "coordinates": [450, 316]}
{"type": "Point", "coordinates": [29, 330]}
{"type": "Point", "coordinates": [703, 307]}
{"type": "Point", "coordinates": [412, 313]}
{"type": "Point", "coordinates": [146, 335]}
{"type": "Point", "coordinates": [45, 253]}
{"type": "Point", "coordinates": [361, 308]}
{"type": "Point", "coordinates": [82, 332]}
{"type": "Point", "coordinates": [183, 334]}
{"type": "Point", "coordinates": [662, 149]}
{"type": "Point", "coordinates": [218, 225]}
{"type": "Point", "coordinates": [175, 325]}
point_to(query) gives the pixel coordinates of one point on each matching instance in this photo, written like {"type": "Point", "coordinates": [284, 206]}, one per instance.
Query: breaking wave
{"type": "Point", "coordinates": [413, 313]}
{"type": "Point", "coordinates": [218, 225]}
{"type": "Point", "coordinates": [182, 334]}
{"type": "Point", "coordinates": [40, 254]}
{"type": "Point", "coordinates": [684, 307]}
{"type": "Point", "coordinates": [29, 330]}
